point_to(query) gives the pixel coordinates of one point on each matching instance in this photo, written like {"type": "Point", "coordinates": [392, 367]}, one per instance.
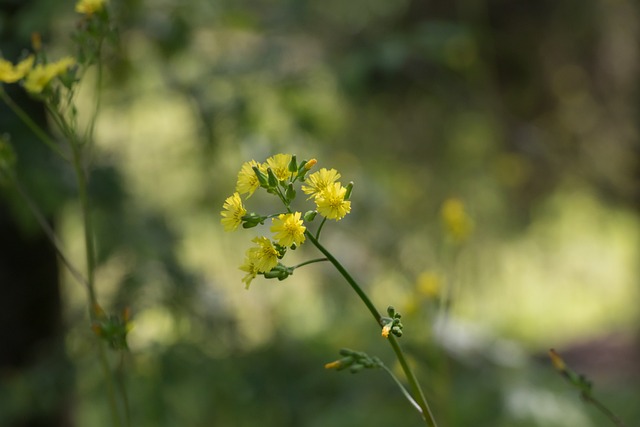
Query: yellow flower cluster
{"type": "Point", "coordinates": [37, 77]}
{"type": "Point", "coordinates": [277, 175]}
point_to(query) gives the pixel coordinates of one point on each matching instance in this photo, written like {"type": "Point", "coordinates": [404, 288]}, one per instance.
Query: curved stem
{"type": "Point", "coordinates": [418, 395]}
{"type": "Point", "coordinates": [33, 126]}
{"type": "Point", "coordinates": [302, 264]}
{"type": "Point", "coordinates": [354, 285]}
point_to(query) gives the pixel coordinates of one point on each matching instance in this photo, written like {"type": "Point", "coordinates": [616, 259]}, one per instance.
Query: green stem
{"type": "Point", "coordinates": [310, 262]}
{"type": "Point", "coordinates": [418, 395]}
{"type": "Point", "coordinates": [606, 411]}
{"type": "Point", "coordinates": [320, 228]}
{"type": "Point", "coordinates": [402, 389]}
{"type": "Point", "coordinates": [354, 285]}
{"type": "Point", "coordinates": [413, 382]}
{"type": "Point", "coordinates": [90, 259]}
{"type": "Point", "coordinates": [33, 126]}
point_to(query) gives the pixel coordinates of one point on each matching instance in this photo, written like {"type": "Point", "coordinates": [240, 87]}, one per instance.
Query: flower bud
{"type": "Point", "coordinates": [310, 216]}
{"type": "Point", "coordinates": [293, 164]}
{"type": "Point", "coordinates": [262, 179]}
{"type": "Point", "coordinates": [290, 194]}
{"type": "Point", "coordinates": [349, 188]}
{"type": "Point", "coordinates": [272, 181]}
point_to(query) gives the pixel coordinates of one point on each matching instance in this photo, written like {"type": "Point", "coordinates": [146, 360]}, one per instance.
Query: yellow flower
{"type": "Point", "coordinates": [247, 179]}
{"type": "Point", "coordinates": [250, 268]}
{"type": "Point", "coordinates": [279, 165]}
{"type": "Point", "coordinates": [264, 256]}
{"type": "Point", "coordinates": [233, 212]}
{"type": "Point", "coordinates": [429, 284]}
{"type": "Point", "coordinates": [288, 229]}
{"type": "Point", "coordinates": [457, 223]}
{"type": "Point", "coordinates": [89, 7]}
{"type": "Point", "coordinates": [386, 329]}
{"type": "Point", "coordinates": [40, 76]}
{"type": "Point", "coordinates": [331, 203]}
{"type": "Point", "coordinates": [318, 181]}
{"type": "Point", "coordinates": [10, 73]}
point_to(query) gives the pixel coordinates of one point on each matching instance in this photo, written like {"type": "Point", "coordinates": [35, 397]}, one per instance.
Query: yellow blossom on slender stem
{"type": "Point", "coordinates": [331, 203]}
{"type": "Point", "coordinates": [40, 76]}
{"type": "Point", "coordinates": [279, 165]}
{"type": "Point", "coordinates": [264, 256]}
{"type": "Point", "coordinates": [89, 7]}
{"type": "Point", "coordinates": [10, 73]}
{"type": "Point", "coordinates": [249, 267]}
{"type": "Point", "coordinates": [247, 179]}
{"type": "Point", "coordinates": [288, 229]}
{"type": "Point", "coordinates": [318, 181]}
{"type": "Point", "coordinates": [233, 212]}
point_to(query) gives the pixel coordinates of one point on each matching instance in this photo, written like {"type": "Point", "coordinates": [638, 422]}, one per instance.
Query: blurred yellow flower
{"type": "Point", "coordinates": [318, 181]}
{"type": "Point", "coordinates": [40, 76]}
{"type": "Point", "coordinates": [233, 212]}
{"type": "Point", "coordinates": [331, 203]}
{"type": "Point", "coordinates": [429, 284]}
{"type": "Point", "coordinates": [288, 229]}
{"type": "Point", "coordinates": [89, 7]}
{"type": "Point", "coordinates": [457, 223]}
{"type": "Point", "coordinates": [10, 73]}
{"type": "Point", "coordinates": [264, 256]}
{"type": "Point", "coordinates": [247, 179]}
{"type": "Point", "coordinates": [279, 165]}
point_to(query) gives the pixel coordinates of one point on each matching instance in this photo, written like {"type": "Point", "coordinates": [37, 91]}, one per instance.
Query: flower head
{"type": "Point", "coordinates": [264, 256]}
{"type": "Point", "coordinates": [89, 7]}
{"type": "Point", "coordinates": [249, 267]}
{"type": "Point", "coordinates": [10, 73]}
{"type": "Point", "coordinates": [288, 229]}
{"type": "Point", "coordinates": [40, 76]}
{"type": "Point", "coordinates": [318, 181]}
{"type": "Point", "coordinates": [247, 179]}
{"type": "Point", "coordinates": [331, 203]}
{"type": "Point", "coordinates": [279, 165]}
{"type": "Point", "coordinates": [233, 212]}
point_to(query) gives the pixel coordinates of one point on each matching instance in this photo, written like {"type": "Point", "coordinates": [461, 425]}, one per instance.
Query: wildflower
{"type": "Point", "coordinates": [247, 178]}
{"type": "Point", "coordinates": [10, 73]}
{"type": "Point", "coordinates": [233, 213]}
{"type": "Point", "coordinates": [331, 203]}
{"type": "Point", "coordinates": [457, 222]}
{"type": "Point", "coordinates": [318, 181]}
{"type": "Point", "coordinates": [264, 256]}
{"type": "Point", "coordinates": [40, 76]}
{"type": "Point", "coordinates": [386, 329]}
{"type": "Point", "coordinates": [89, 7]}
{"type": "Point", "coordinates": [279, 165]}
{"type": "Point", "coordinates": [289, 229]}
{"type": "Point", "coordinates": [250, 268]}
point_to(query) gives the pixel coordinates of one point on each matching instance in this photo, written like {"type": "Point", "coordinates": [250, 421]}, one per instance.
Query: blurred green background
{"type": "Point", "coordinates": [527, 112]}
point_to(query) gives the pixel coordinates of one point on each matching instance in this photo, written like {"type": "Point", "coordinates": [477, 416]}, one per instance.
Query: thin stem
{"type": "Point", "coordinates": [354, 285]}
{"type": "Point", "coordinates": [90, 259]}
{"type": "Point", "coordinates": [411, 378]}
{"type": "Point", "coordinates": [32, 125]}
{"type": "Point", "coordinates": [310, 262]}
{"type": "Point", "coordinates": [402, 389]}
{"type": "Point", "coordinates": [606, 411]}
{"type": "Point", "coordinates": [413, 382]}
{"type": "Point", "coordinates": [57, 245]}
{"type": "Point", "coordinates": [320, 228]}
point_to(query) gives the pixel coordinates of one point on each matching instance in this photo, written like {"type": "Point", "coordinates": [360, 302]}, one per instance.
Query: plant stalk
{"type": "Point", "coordinates": [418, 395]}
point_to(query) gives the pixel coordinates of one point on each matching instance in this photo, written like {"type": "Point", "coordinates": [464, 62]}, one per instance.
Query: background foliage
{"type": "Point", "coordinates": [525, 112]}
